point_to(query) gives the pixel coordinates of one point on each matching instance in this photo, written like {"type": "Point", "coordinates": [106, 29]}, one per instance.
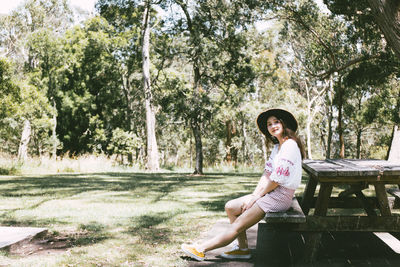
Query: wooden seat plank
{"type": "Point", "coordinates": [293, 215]}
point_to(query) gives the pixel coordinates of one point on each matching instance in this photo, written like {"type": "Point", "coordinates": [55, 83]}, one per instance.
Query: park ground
{"type": "Point", "coordinates": [114, 218]}
{"type": "Point", "coordinates": [126, 218]}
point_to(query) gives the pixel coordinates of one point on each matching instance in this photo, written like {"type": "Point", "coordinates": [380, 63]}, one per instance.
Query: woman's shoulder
{"type": "Point", "coordinates": [289, 143]}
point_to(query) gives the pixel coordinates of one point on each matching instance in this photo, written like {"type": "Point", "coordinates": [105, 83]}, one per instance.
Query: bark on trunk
{"type": "Point", "coordinates": [199, 147]}
{"type": "Point", "coordinates": [330, 133]}
{"type": "Point", "coordinates": [152, 149]}
{"type": "Point", "coordinates": [54, 133]}
{"type": "Point", "coordinates": [244, 143]}
{"type": "Point", "coordinates": [330, 118]}
{"type": "Point", "coordinates": [359, 133]}
{"type": "Point", "coordinates": [340, 121]}
{"type": "Point", "coordinates": [394, 149]}
{"type": "Point", "coordinates": [231, 151]}
{"type": "Point", "coordinates": [264, 148]}
{"type": "Point", "coordinates": [309, 152]}
{"type": "Point", "coordinates": [195, 116]}
{"type": "Point", "coordinates": [387, 15]}
{"type": "Point", "coordinates": [25, 138]}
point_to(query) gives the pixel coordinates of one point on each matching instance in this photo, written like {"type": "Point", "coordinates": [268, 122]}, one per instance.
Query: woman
{"type": "Point", "coordinates": [274, 191]}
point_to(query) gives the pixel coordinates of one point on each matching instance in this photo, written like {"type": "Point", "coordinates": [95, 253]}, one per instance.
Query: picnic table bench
{"type": "Point", "coordinates": [356, 175]}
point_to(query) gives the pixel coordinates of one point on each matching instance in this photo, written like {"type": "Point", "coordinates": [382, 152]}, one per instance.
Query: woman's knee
{"type": "Point", "coordinates": [232, 206]}
{"type": "Point", "coordinates": [229, 206]}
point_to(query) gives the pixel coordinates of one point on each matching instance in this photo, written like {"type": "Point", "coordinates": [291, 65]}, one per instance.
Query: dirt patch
{"type": "Point", "coordinates": [50, 244]}
{"type": "Point", "coordinates": [45, 245]}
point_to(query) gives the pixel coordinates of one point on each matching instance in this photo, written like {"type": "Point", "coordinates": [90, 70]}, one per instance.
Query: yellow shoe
{"type": "Point", "coordinates": [237, 253]}
{"type": "Point", "coordinates": [192, 252]}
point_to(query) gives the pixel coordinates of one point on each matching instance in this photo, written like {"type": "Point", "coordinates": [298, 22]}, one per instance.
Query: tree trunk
{"type": "Point", "coordinates": [54, 133]}
{"type": "Point", "coordinates": [199, 146]}
{"type": "Point", "coordinates": [126, 89]}
{"type": "Point", "coordinates": [330, 134]}
{"type": "Point", "coordinates": [152, 149]}
{"type": "Point", "coordinates": [244, 143]}
{"type": "Point", "coordinates": [264, 148]}
{"type": "Point", "coordinates": [387, 15]}
{"type": "Point", "coordinates": [359, 132]}
{"type": "Point", "coordinates": [340, 121]}
{"type": "Point", "coordinates": [309, 152]}
{"type": "Point", "coordinates": [195, 115]}
{"type": "Point", "coordinates": [394, 149]}
{"type": "Point", "coordinates": [231, 151]}
{"type": "Point", "coordinates": [25, 138]}
{"type": "Point", "coordinates": [330, 118]}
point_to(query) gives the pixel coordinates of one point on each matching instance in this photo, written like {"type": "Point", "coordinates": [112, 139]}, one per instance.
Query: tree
{"type": "Point", "coordinates": [215, 50]}
{"type": "Point", "coordinates": [152, 149]}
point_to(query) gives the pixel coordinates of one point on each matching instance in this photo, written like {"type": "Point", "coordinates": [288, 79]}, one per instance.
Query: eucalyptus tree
{"type": "Point", "coordinates": [131, 12]}
{"type": "Point", "coordinates": [21, 40]}
{"type": "Point", "coordinates": [384, 14]}
{"type": "Point", "coordinates": [328, 47]}
{"type": "Point", "coordinates": [215, 46]}
{"type": "Point", "coordinates": [367, 16]}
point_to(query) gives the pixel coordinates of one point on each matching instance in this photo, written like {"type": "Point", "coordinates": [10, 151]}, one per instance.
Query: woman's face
{"type": "Point", "coordinates": [275, 127]}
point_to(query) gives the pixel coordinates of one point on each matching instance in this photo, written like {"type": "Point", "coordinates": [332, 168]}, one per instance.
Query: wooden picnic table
{"type": "Point", "coordinates": [355, 175]}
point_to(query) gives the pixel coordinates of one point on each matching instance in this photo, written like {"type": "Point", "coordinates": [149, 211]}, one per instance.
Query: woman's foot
{"type": "Point", "coordinates": [192, 252]}
{"type": "Point", "coordinates": [237, 253]}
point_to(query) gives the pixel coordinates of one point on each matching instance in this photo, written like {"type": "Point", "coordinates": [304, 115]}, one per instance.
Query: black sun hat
{"type": "Point", "coordinates": [281, 114]}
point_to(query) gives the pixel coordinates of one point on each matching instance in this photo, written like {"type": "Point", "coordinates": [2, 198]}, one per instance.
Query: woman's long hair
{"type": "Point", "coordinates": [288, 134]}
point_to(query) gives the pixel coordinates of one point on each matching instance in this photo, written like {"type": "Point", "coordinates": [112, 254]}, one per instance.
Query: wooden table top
{"type": "Point", "coordinates": [368, 169]}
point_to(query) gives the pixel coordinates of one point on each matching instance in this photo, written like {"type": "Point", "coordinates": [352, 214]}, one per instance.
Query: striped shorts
{"type": "Point", "coordinates": [279, 199]}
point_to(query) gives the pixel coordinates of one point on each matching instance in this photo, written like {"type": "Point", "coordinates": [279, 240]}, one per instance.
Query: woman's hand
{"type": "Point", "coordinates": [250, 202]}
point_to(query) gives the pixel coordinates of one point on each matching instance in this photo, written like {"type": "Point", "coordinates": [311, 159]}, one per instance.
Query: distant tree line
{"type": "Point", "coordinates": [180, 83]}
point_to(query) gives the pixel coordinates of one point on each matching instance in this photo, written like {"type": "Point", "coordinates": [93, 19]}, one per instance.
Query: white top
{"type": "Point", "coordinates": [284, 165]}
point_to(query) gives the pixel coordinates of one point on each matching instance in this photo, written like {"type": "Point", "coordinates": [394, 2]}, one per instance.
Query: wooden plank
{"type": "Point", "coordinates": [389, 240]}
{"type": "Point", "coordinates": [344, 224]}
{"type": "Point", "coordinates": [293, 215]}
{"type": "Point", "coordinates": [394, 192]}
{"type": "Point", "coordinates": [312, 245]}
{"type": "Point", "coordinates": [348, 202]}
{"type": "Point", "coordinates": [319, 168]}
{"type": "Point", "coordinates": [358, 179]}
{"type": "Point", "coordinates": [14, 235]}
{"type": "Point", "coordinates": [340, 169]}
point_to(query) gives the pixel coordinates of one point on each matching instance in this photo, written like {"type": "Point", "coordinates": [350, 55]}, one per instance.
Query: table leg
{"type": "Point", "coordinates": [308, 195]}
{"type": "Point", "coordinates": [368, 209]}
{"type": "Point", "coordinates": [313, 240]}
{"type": "Point", "coordinates": [321, 208]}
{"type": "Point", "coordinates": [382, 198]}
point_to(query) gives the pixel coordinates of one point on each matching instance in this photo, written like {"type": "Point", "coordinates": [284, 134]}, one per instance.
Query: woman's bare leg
{"type": "Point", "coordinates": [241, 224]}
{"type": "Point", "coordinates": [233, 209]}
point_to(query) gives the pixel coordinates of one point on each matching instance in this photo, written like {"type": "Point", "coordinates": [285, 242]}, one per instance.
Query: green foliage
{"type": "Point", "coordinates": [212, 72]}
{"type": "Point", "coordinates": [123, 143]}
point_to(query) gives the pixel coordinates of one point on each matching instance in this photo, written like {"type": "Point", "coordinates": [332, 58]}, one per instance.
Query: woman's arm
{"type": "Point", "coordinates": [264, 186]}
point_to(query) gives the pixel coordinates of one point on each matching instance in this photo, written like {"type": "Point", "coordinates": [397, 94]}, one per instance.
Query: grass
{"type": "Point", "coordinates": [117, 218]}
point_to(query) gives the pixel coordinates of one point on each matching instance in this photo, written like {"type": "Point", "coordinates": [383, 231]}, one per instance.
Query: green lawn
{"type": "Point", "coordinates": [117, 219]}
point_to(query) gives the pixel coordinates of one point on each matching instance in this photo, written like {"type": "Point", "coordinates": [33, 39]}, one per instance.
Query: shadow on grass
{"type": "Point", "coordinates": [153, 186]}
{"type": "Point", "coordinates": [146, 227]}
{"type": "Point", "coordinates": [89, 234]}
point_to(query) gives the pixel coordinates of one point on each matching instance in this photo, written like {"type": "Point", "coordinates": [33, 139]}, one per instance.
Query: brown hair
{"type": "Point", "coordinates": [287, 134]}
